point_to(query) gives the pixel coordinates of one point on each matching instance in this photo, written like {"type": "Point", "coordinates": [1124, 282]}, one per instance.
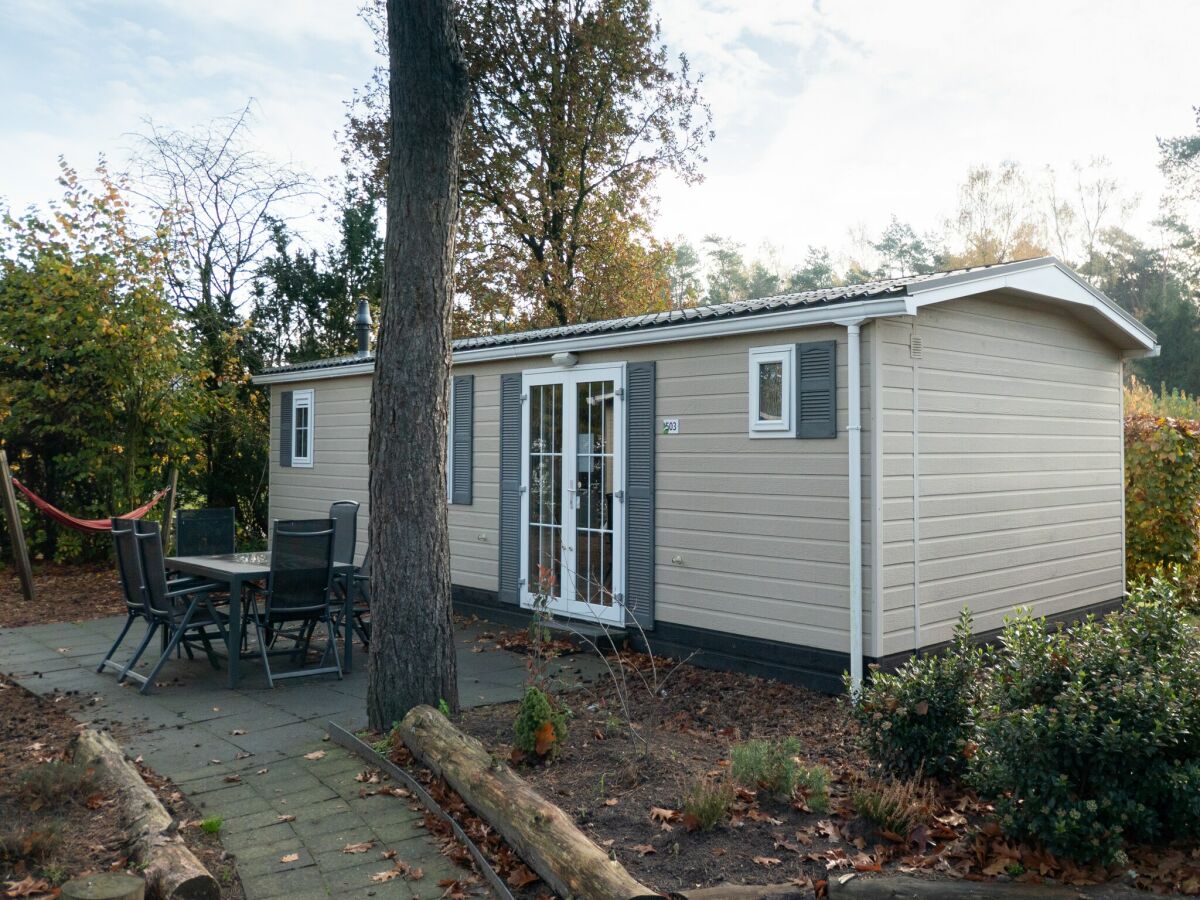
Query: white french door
{"type": "Point", "coordinates": [573, 490]}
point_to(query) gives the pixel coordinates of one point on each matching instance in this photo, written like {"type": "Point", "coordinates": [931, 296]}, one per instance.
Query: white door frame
{"type": "Point", "coordinates": [567, 604]}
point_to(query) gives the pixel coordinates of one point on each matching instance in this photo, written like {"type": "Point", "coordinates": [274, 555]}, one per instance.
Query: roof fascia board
{"type": "Point", "coordinates": [316, 374]}
{"type": "Point", "coordinates": [1045, 278]}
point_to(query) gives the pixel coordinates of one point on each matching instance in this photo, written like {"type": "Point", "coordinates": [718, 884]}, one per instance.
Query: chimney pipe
{"type": "Point", "coordinates": [362, 327]}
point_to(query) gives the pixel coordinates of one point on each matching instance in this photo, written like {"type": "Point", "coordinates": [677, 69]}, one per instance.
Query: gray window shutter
{"type": "Point", "coordinates": [639, 492]}
{"type": "Point", "coordinates": [462, 431]}
{"type": "Point", "coordinates": [510, 487]}
{"type": "Point", "coordinates": [285, 429]}
{"type": "Point", "coordinates": [816, 389]}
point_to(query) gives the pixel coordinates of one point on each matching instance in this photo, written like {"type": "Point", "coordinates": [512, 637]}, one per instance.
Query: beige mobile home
{"type": "Point", "coordinates": [796, 486]}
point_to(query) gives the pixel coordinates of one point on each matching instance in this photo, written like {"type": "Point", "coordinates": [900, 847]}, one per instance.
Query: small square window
{"type": "Point", "coordinates": [302, 428]}
{"type": "Point", "coordinates": [771, 379]}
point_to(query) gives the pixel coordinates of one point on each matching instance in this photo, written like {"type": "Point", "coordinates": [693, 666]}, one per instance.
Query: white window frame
{"type": "Point", "coordinates": [304, 399]}
{"type": "Point", "coordinates": [786, 426]}
{"type": "Point", "coordinates": [450, 447]}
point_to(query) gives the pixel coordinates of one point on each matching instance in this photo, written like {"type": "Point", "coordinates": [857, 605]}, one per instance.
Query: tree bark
{"type": "Point", "coordinates": [545, 837]}
{"type": "Point", "coordinates": [171, 870]}
{"type": "Point", "coordinates": [412, 647]}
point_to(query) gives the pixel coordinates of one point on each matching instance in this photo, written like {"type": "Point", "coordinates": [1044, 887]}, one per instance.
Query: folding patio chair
{"type": "Point", "coordinates": [298, 594]}
{"type": "Point", "coordinates": [182, 609]}
{"type": "Point", "coordinates": [130, 574]}
{"type": "Point", "coordinates": [205, 532]}
{"type": "Point", "coordinates": [361, 611]}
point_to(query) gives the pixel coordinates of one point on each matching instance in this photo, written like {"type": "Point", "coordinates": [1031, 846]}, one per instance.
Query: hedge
{"type": "Point", "coordinates": [1162, 493]}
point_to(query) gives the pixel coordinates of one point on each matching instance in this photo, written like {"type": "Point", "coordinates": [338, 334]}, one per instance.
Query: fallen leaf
{"type": "Point", "coordinates": [238, 732]}
{"type": "Point", "coordinates": [262, 771]}
{"type": "Point", "coordinates": [316, 754]}
{"type": "Point", "coordinates": [388, 854]}
{"type": "Point", "coordinates": [289, 857]}
{"type": "Point", "coordinates": [544, 738]}
{"type": "Point", "coordinates": [643, 849]}
{"type": "Point", "coordinates": [27, 887]}
{"type": "Point", "coordinates": [387, 875]}
{"type": "Point", "coordinates": [358, 848]}
{"type": "Point", "coordinates": [285, 818]}
{"type": "Point", "coordinates": [767, 861]}
{"type": "Point", "coordinates": [611, 801]}
{"type": "Point", "coordinates": [233, 779]}
{"type": "Point", "coordinates": [521, 876]}
{"type": "Point", "coordinates": [659, 814]}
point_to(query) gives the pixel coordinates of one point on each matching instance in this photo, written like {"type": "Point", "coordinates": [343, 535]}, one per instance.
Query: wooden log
{"type": "Point", "coordinates": [171, 870]}
{"type": "Point", "coordinates": [544, 836]}
{"type": "Point", "coordinates": [16, 535]}
{"type": "Point", "coordinates": [907, 887]}
{"type": "Point", "coordinates": [790, 891]}
{"type": "Point", "coordinates": [105, 886]}
{"type": "Point", "coordinates": [169, 512]}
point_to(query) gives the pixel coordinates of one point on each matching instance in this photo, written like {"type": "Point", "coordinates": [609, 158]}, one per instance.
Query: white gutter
{"type": "Point", "coordinates": [315, 374]}
{"type": "Point", "coordinates": [854, 433]}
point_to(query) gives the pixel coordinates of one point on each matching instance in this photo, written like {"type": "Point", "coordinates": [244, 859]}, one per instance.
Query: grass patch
{"type": "Point", "coordinates": [705, 803]}
{"type": "Point", "coordinates": [54, 783]}
{"type": "Point", "coordinates": [30, 843]}
{"type": "Point", "coordinates": [896, 807]}
{"type": "Point", "coordinates": [770, 765]}
{"type": "Point", "coordinates": [812, 782]}
{"type": "Point", "coordinates": [212, 824]}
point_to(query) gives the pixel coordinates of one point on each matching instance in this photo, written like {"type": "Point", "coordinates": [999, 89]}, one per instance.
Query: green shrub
{"type": "Point", "coordinates": [771, 765]}
{"type": "Point", "coordinates": [813, 783]}
{"type": "Point", "coordinates": [918, 718]}
{"type": "Point", "coordinates": [54, 783]}
{"type": "Point", "coordinates": [540, 728]}
{"type": "Point", "coordinates": [1162, 493]}
{"type": "Point", "coordinates": [897, 806]}
{"type": "Point", "coordinates": [705, 803]}
{"type": "Point", "coordinates": [1089, 738]}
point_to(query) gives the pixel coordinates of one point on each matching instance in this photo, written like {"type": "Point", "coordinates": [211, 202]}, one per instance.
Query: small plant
{"type": "Point", "coordinates": [920, 718]}
{"type": "Point", "coordinates": [54, 783]}
{"type": "Point", "coordinates": [212, 824]}
{"type": "Point", "coordinates": [55, 874]}
{"type": "Point", "coordinates": [385, 743]}
{"type": "Point", "coordinates": [895, 807]}
{"type": "Point", "coordinates": [444, 707]}
{"type": "Point", "coordinates": [705, 803]}
{"type": "Point", "coordinates": [812, 782]}
{"type": "Point", "coordinates": [540, 728]}
{"type": "Point", "coordinates": [30, 843]}
{"type": "Point", "coordinates": [771, 765]}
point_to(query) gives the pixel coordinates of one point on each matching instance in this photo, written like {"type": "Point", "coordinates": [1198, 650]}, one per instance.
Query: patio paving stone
{"type": "Point", "coordinates": [184, 729]}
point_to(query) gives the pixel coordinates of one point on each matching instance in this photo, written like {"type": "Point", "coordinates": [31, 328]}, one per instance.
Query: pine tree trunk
{"type": "Point", "coordinates": [412, 646]}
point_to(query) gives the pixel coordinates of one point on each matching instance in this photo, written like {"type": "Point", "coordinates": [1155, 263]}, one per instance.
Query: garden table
{"type": "Point", "coordinates": [235, 570]}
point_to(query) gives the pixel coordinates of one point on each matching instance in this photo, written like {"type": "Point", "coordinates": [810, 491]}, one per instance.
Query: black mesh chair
{"type": "Point", "coordinates": [298, 596]}
{"type": "Point", "coordinates": [361, 610]}
{"type": "Point", "coordinates": [205, 532]}
{"type": "Point", "coordinates": [183, 610]}
{"type": "Point", "coordinates": [130, 574]}
{"type": "Point", "coordinates": [344, 514]}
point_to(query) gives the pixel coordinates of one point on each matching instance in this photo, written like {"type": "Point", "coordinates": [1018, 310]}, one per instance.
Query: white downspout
{"type": "Point", "coordinates": [854, 432]}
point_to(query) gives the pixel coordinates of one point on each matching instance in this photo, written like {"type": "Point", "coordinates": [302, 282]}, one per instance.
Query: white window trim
{"type": "Point", "coordinates": [786, 427]}
{"type": "Point", "coordinates": [450, 447]}
{"type": "Point", "coordinates": [305, 398]}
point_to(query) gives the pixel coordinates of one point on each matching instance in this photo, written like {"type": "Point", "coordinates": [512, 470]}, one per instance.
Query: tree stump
{"type": "Point", "coordinates": [105, 886]}
{"type": "Point", "coordinates": [172, 871]}
{"type": "Point", "coordinates": [545, 837]}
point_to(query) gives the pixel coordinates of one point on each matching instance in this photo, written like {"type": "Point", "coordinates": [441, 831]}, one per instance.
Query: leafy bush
{"type": "Point", "coordinates": [897, 806]}
{"type": "Point", "coordinates": [771, 765]}
{"type": "Point", "coordinates": [918, 719]}
{"type": "Point", "coordinates": [1162, 493]}
{"type": "Point", "coordinates": [540, 728]}
{"type": "Point", "coordinates": [705, 803]}
{"type": "Point", "coordinates": [1091, 737]}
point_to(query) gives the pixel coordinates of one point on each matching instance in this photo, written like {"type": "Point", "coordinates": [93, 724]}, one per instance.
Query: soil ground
{"type": "Point", "coordinates": [48, 838]}
{"type": "Point", "coordinates": [628, 793]}
{"type": "Point", "coordinates": [62, 593]}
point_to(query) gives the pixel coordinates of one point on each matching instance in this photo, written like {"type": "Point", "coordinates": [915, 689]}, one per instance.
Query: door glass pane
{"type": "Point", "coordinates": [770, 391]}
{"type": "Point", "coordinates": [545, 489]}
{"type": "Point", "coordinates": [594, 491]}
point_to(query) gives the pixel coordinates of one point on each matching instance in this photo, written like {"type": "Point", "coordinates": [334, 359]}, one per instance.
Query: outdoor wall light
{"type": "Point", "coordinates": [564, 360]}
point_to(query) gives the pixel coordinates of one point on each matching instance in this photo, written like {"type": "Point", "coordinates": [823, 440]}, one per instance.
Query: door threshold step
{"type": "Point", "coordinates": [600, 635]}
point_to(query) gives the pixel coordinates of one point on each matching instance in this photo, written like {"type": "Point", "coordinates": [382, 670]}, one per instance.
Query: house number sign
{"type": "Point", "coordinates": [670, 426]}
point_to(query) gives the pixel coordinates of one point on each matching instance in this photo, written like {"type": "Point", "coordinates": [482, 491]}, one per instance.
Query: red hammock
{"type": "Point", "coordinates": [90, 526]}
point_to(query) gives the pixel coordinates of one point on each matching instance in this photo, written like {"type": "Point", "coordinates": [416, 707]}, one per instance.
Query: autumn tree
{"type": "Point", "coordinates": [998, 219]}
{"type": "Point", "coordinates": [220, 199]}
{"type": "Point", "coordinates": [576, 109]}
{"type": "Point", "coordinates": [412, 654]}
{"type": "Point", "coordinates": [98, 384]}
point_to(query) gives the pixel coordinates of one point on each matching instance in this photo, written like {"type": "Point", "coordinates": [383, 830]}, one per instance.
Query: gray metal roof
{"type": "Point", "coordinates": [866, 290]}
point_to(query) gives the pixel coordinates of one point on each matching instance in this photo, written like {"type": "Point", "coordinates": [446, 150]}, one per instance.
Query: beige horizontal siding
{"type": "Point", "coordinates": [1018, 427]}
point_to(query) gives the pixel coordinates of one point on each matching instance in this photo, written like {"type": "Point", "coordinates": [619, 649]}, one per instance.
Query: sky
{"type": "Point", "coordinates": [830, 117]}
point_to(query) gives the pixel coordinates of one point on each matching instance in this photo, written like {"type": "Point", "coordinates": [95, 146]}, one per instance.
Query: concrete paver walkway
{"type": "Point", "coordinates": [244, 755]}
